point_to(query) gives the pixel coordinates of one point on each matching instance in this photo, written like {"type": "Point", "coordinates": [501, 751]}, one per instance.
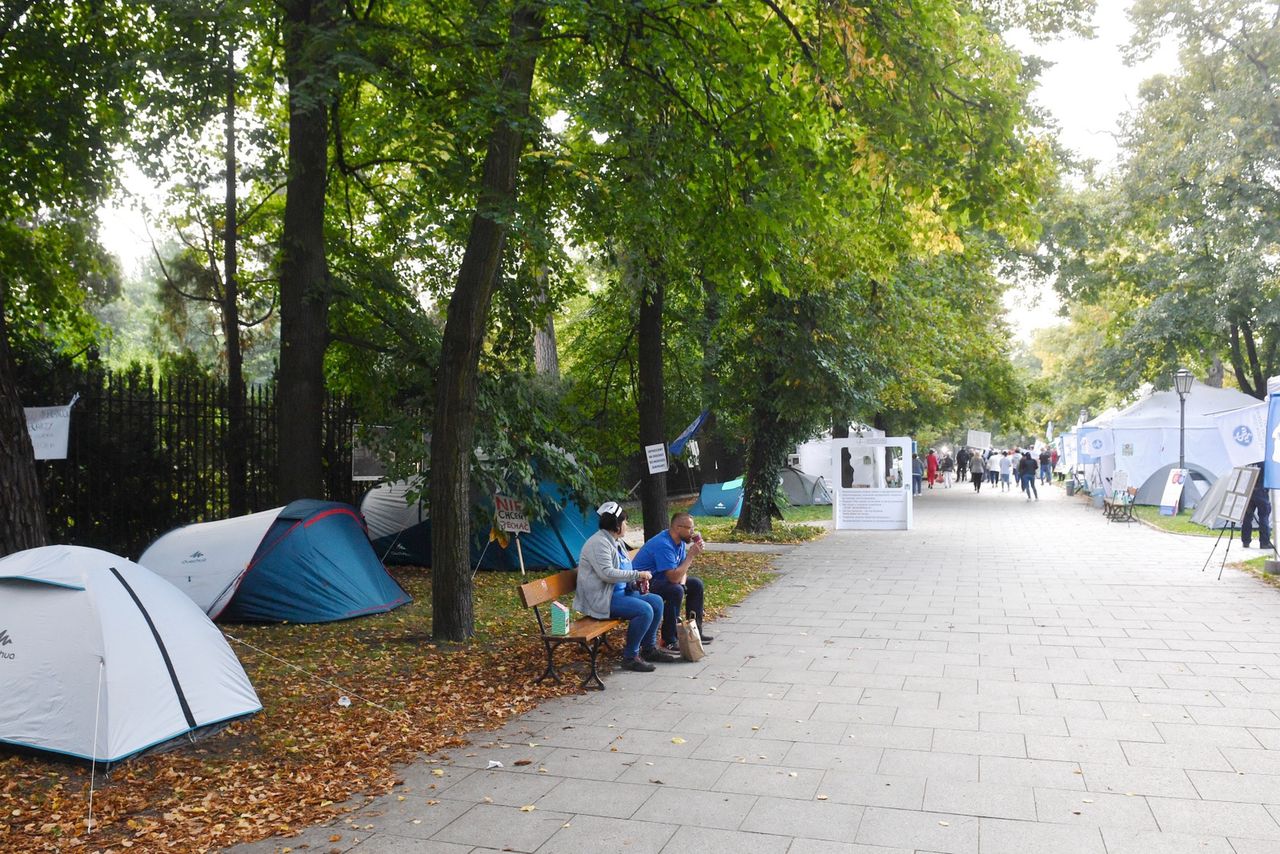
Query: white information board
{"type": "Point", "coordinates": [656, 456]}
{"type": "Point", "coordinates": [869, 492]}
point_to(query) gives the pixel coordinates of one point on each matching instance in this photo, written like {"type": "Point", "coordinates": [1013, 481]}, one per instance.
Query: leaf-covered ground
{"type": "Point", "coordinates": [296, 762]}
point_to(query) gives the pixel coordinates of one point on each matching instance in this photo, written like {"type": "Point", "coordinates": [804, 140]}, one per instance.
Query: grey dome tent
{"type": "Point", "coordinates": [102, 659]}
{"type": "Point", "coordinates": [1197, 486]}
{"type": "Point", "coordinates": [803, 489]}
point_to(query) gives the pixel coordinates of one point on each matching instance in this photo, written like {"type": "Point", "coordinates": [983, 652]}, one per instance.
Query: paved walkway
{"type": "Point", "coordinates": [1011, 677]}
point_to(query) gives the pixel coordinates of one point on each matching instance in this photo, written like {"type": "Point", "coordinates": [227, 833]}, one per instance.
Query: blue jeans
{"type": "Point", "coordinates": [1029, 485]}
{"type": "Point", "coordinates": [690, 593]}
{"type": "Point", "coordinates": [1045, 473]}
{"type": "Point", "coordinates": [643, 613]}
{"type": "Point", "coordinates": [915, 483]}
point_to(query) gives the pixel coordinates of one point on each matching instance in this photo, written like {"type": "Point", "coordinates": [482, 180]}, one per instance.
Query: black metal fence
{"type": "Point", "coordinates": [147, 453]}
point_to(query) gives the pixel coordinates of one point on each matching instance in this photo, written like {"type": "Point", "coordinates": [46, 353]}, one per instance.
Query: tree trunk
{"type": "Point", "coordinates": [839, 425]}
{"type": "Point", "coordinates": [22, 518]}
{"type": "Point", "coordinates": [1216, 372]}
{"type": "Point", "coordinates": [546, 359]}
{"type": "Point", "coordinates": [653, 487]}
{"type": "Point", "coordinates": [766, 453]}
{"type": "Point", "coordinates": [712, 457]}
{"type": "Point", "coordinates": [304, 272]}
{"type": "Point", "coordinates": [237, 441]}
{"type": "Point", "coordinates": [453, 427]}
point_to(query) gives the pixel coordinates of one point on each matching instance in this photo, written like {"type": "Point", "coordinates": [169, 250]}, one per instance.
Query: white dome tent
{"type": "Point", "coordinates": [103, 659]}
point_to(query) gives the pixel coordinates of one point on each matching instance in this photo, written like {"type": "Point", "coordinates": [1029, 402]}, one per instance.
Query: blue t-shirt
{"type": "Point", "coordinates": [660, 554]}
{"type": "Point", "coordinates": [624, 562]}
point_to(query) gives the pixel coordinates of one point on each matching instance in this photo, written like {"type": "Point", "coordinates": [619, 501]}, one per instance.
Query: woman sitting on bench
{"type": "Point", "coordinates": [606, 590]}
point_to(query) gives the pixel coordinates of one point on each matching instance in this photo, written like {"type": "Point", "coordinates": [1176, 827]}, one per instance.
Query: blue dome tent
{"type": "Point", "coordinates": [309, 562]}
{"type": "Point", "coordinates": [401, 532]}
{"type": "Point", "coordinates": [719, 499]}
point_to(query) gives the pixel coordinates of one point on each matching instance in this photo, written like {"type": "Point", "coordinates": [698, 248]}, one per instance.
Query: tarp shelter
{"type": "Point", "coordinates": [719, 499]}
{"type": "Point", "coordinates": [309, 562]}
{"type": "Point", "coordinates": [1144, 436]}
{"type": "Point", "coordinates": [803, 489]}
{"type": "Point", "coordinates": [401, 532]}
{"type": "Point", "coordinates": [102, 659]}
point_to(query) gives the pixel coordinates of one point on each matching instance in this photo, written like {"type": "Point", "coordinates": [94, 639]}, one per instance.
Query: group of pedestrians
{"type": "Point", "coordinates": [989, 466]}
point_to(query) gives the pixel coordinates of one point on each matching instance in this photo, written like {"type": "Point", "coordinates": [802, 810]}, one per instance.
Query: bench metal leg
{"type": "Point", "coordinates": [593, 649]}
{"type": "Point", "coordinates": [551, 663]}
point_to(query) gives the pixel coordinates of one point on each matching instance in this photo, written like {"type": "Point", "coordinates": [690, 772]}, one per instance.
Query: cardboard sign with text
{"type": "Point", "coordinates": [511, 516]}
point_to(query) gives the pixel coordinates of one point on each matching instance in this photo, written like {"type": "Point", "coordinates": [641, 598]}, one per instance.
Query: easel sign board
{"type": "Point", "coordinates": [1239, 489]}
{"type": "Point", "coordinates": [863, 498]}
{"type": "Point", "coordinates": [1172, 492]}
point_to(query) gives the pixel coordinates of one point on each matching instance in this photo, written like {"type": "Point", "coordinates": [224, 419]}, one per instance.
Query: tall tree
{"type": "Point", "coordinates": [311, 31]}
{"type": "Point", "coordinates": [63, 108]}
{"type": "Point", "coordinates": [453, 428]}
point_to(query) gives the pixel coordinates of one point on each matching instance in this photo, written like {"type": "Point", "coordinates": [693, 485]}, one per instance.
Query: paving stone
{"type": "Point", "coordinates": [587, 834]}
{"type": "Point", "coordinates": [1216, 818]}
{"type": "Point", "coordinates": [1120, 840]}
{"type": "Point", "coordinates": [814, 819]}
{"type": "Point", "coordinates": [724, 810]}
{"type": "Point", "coordinates": [1094, 809]}
{"type": "Point", "coordinates": [706, 840]}
{"type": "Point", "coordinates": [990, 800]}
{"type": "Point", "coordinates": [945, 833]}
{"type": "Point", "coordinates": [595, 797]}
{"type": "Point", "coordinates": [506, 828]}
{"type": "Point", "coordinates": [1000, 836]}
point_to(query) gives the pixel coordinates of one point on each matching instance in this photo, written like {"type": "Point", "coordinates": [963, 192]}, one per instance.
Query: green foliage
{"type": "Point", "coordinates": [1180, 245]}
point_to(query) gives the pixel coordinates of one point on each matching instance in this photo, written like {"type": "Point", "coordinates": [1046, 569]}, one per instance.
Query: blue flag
{"type": "Point", "coordinates": [678, 443]}
{"type": "Point", "coordinates": [1271, 466]}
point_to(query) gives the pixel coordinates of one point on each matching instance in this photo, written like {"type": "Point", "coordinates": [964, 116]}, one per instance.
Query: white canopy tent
{"type": "Point", "coordinates": [1143, 437]}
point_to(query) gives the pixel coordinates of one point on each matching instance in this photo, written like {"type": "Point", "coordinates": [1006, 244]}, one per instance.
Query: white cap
{"type": "Point", "coordinates": [610, 508]}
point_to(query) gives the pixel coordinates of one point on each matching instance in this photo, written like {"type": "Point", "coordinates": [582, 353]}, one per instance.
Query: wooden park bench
{"type": "Point", "coordinates": [587, 632]}
{"type": "Point", "coordinates": [1119, 506]}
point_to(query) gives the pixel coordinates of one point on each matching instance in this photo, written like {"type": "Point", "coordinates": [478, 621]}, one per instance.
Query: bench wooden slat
{"type": "Point", "coordinates": [543, 590]}
{"type": "Point", "coordinates": [586, 628]}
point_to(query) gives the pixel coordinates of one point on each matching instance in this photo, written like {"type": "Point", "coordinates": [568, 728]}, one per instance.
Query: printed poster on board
{"type": "Point", "coordinates": [1172, 492]}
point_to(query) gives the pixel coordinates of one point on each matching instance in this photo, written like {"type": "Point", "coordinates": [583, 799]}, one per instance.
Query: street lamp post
{"type": "Point", "coordinates": [1182, 379]}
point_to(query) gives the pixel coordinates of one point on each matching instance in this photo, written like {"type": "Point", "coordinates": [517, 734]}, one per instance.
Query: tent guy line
{"type": "Point", "coordinates": [311, 675]}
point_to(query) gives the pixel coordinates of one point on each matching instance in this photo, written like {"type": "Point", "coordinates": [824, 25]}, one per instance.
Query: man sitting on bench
{"type": "Point", "coordinates": [669, 556]}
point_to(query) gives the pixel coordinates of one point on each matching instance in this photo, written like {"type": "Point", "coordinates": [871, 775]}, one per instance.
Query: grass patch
{"type": "Point", "coordinates": [1254, 566]}
{"type": "Point", "coordinates": [796, 526]}
{"type": "Point", "coordinates": [298, 760]}
{"type": "Point", "coordinates": [1180, 524]}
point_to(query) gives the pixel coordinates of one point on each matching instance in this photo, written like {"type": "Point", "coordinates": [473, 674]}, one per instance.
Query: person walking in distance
{"type": "Point", "coordinates": [1027, 473]}
{"type": "Point", "coordinates": [978, 470]}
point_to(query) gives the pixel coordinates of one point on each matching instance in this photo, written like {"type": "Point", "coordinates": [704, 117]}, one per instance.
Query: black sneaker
{"type": "Point", "coordinates": [707, 638]}
{"type": "Point", "coordinates": [658, 655]}
{"type": "Point", "coordinates": [637, 665]}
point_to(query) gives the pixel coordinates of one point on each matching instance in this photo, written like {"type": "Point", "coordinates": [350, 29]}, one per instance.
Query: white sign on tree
{"type": "Point", "coordinates": [49, 427]}
{"type": "Point", "coordinates": [656, 455]}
